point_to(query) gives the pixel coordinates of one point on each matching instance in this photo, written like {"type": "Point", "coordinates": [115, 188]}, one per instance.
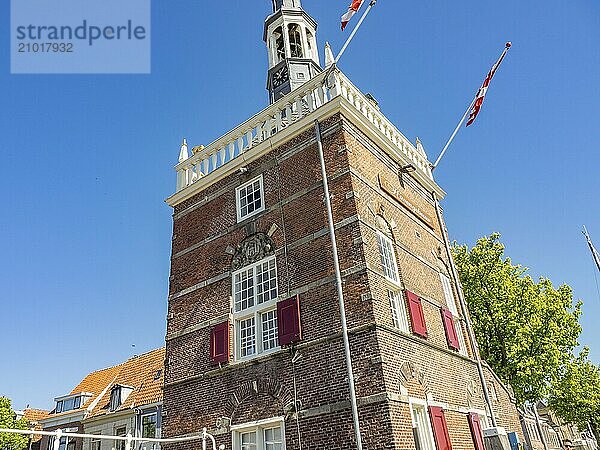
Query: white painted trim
{"type": "Point", "coordinates": [257, 425]}
{"type": "Point", "coordinates": [70, 417]}
{"type": "Point", "coordinates": [415, 401]}
{"type": "Point", "coordinates": [69, 396]}
{"type": "Point", "coordinates": [256, 152]}
{"type": "Point", "coordinates": [444, 406]}
{"type": "Point", "coordinates": [449, 294]}
{"type": "Point", "coordinates": [94, 421]}
{"type": "Point", "coordinates": [482, 414]}
{"type": "Point", "coordinates": [94, 402]}
{"type": "Point", "coordinates": [336, 105]}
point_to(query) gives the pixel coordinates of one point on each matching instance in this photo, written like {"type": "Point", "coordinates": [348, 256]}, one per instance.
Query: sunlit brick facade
{"type": "Point", "coordinates": [252, 269]}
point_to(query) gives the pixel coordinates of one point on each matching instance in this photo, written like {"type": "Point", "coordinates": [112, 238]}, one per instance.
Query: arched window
{"type": "Point", "coordinates": [309, 40]}
{"type": "Point", "coordinates": [279, 45]}
{"type": "Point", "coordinates": [385, 243]}
{"type": "Point", "coordinates": [295, 41]}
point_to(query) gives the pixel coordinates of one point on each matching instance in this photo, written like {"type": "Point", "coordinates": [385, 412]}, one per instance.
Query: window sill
{"type": "Point", "coordinates": [258, 356]}
{"type": "Point", "coordinates": [392, 284]}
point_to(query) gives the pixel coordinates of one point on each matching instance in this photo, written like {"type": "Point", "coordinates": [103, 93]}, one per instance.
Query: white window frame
{"type": "Point", "coordinates": [449, 294]}
{"type": "Point", "coordinates": [256, 311]}
{"type": "Point", "coordinates": [257, 427]}
{"type": "Point", "coordinates": [238, 206]}
{"type": "Point", "coordinates": [421, 404]}
{"type": "Point", "coordinates": [399, 312]}
{"type": "Point", "coordinates": [97, 441]}
{"type": "Point", "coordinates": [74, 399]}
{"type": "Point", "coordinates": [462, 344]}
{"type": "Point", "coordinates": [383, 240]}
{"type": "Point", "coordinates": [483, 418]}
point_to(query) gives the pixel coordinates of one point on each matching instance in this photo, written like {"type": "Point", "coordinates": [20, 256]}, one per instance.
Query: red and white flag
{"type": "Point", "coordinates": [354, 7]}
{"type": "Point", "coordinates": [484, 87]}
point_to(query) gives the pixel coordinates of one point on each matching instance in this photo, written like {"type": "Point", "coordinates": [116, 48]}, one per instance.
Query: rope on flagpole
{"type": "Point", "coordinates": [464, 117]}
{"type": "Point", "coordinates": [362, 19]}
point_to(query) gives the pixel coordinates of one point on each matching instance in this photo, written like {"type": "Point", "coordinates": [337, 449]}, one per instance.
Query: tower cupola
{"type": "Point", "coordinates": [290, 35]}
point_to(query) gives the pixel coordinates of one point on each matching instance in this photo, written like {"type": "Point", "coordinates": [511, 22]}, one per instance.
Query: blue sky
{"type": "Point", "coordinates": [87, 160]}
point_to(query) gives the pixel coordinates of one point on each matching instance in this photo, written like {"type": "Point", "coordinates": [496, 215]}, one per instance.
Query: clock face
{"type": "Point", "coordinates": [280, 77]}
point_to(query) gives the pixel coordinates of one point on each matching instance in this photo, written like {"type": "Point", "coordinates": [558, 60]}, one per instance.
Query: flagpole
{"type": "Point", "coordinates": [362, 19]}
{"type": "Point", "coordinates": [464, 117]}
{"type": "Point", "coordinates": [592, 248]}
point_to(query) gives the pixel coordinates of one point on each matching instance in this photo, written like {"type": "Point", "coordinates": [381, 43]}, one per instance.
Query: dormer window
{"type": "Point", "coordinates": [118, 395]}
{"type": "Point", "coordinates": [115, 398]}
{"type": "Point", "coordinates": [70, 402]}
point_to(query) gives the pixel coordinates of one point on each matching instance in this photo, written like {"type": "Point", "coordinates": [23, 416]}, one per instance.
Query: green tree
{"type": "Point", "coordinates": [526, 330]}
{"type": "Point", "coordinates": [8, 420]}
{"type": "Point", "coordinates": [575, 394]}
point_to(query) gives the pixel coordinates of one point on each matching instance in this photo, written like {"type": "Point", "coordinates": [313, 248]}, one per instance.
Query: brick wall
{"type": "Point", "coordinates": [44, 442]}
{"type": "Point", "coordinates": [390, 366]}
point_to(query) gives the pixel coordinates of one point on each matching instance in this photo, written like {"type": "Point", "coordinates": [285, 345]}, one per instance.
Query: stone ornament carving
{"type": "Point", "coordinates": [252, 249]}
{"type": "Point", "coordinates": [223, 425]}
{"type": "Point", "coordinates": [473, 393]}
{"type": "Point", "coordinates": [410, 371]}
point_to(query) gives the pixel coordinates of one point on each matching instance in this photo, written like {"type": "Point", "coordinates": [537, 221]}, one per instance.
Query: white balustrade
{"type": "Point", "coordinates": [280, 115]}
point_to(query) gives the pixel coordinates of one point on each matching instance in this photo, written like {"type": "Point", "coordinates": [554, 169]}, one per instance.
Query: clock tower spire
{"type": "Point", "coordinates": [290, 35]}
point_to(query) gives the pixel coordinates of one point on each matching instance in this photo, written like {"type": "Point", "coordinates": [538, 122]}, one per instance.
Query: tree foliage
{"type": "Point", "coordinates": [526, 330]}
{"type": "Point", "coordinates": [575, 394]}
{"type": "Point", "coordinates": [8, 420]}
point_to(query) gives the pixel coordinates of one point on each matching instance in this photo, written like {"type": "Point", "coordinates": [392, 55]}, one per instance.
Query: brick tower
{"type": "Point", "coordinates": [254, 347]}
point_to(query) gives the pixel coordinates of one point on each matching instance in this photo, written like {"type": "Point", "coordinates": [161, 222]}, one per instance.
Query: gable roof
{"type": "Point", "coordinates": [97, 381]}
{"type": "Point", "coordinates": [143, 373]}
{"type": "Point", "coordinates": [33, 416]}
{"type": "Point", "coordinates": [94, 383]}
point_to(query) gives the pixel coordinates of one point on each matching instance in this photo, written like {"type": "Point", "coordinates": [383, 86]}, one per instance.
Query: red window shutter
{"type": "Point", "coordinates": [451, 335]}
{"type": "Point", "coordinates": [440, 428]}
{"type": "Point", "coordinates": [288, 321]}
{"type": "Point", "coordinates": [415, 308]}
{"type": "Point", "coordinates": [476, 431]}
{"type": "Point", "coordinates": [219, 343]}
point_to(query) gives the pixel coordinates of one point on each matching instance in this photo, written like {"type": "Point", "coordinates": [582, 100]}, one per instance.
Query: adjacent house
{"type": "Point", "coordinates": [581, 439]}
{"type": "Point", "coordinates": [132, 404]}
{"type": "Point", "coordinates": [33, 418]}
{"type": "Point", "coordinates": [539, 434]}
{"type": "Point", "coordinates": [120, 400]}
{"type": "Point", "coordinates": [70, 409]}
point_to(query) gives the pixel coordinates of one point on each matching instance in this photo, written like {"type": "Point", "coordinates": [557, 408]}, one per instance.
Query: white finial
{"type": "Point", "coordinates": [329, 58]}
{"type": "Point", "coordinates": [420, 148]}
{"type": "Point", "coordinates": [183, 154]}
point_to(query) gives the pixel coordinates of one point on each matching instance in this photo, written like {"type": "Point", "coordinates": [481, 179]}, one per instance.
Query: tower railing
{"type": "Point", "coordinates": [289, 109]}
